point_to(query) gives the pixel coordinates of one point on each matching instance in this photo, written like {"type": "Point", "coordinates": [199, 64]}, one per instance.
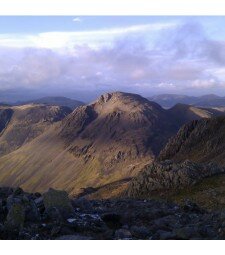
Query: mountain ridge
{"type": "Point", "coordinates": [51, 100]}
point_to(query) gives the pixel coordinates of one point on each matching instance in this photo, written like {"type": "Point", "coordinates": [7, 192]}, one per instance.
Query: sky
{"type": "Point", "coordinates": [82, 57]}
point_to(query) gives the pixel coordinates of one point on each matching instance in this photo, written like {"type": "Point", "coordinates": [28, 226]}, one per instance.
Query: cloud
{"type": "Point", "coordinates": [207, 83]}
{"type": "Point", "coordinates": [179, 58]}
{"type": "Point", "coordinates": [77, 19]}
{"type": "Point", "coordinates": [94, 38]}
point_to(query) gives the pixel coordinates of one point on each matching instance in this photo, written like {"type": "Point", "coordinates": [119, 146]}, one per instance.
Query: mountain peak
{"type": "Point", "coordinates": [120, 96]}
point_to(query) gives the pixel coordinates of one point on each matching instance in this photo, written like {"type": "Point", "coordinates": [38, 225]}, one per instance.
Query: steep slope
{"type": "Point", "coordinates": [59, 101]}
{"type": "Point", "coordinates": [200, 141]}
{"type": "Point", "coordinates": [21, 124]}
{"type": "Point", "coordinates": [106, 141]}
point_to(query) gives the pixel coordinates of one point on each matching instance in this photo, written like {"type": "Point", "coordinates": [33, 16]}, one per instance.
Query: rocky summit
{"type": "Point", "coordinates": [31, 216]}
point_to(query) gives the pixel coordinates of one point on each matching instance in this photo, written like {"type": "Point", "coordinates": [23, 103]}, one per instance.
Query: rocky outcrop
{"type": "Point", "coordinates": [167, 176]}
{"type": "Point", "coordinates": [125, 219]}
{"type": "Point", "coordinates": [199, 141]}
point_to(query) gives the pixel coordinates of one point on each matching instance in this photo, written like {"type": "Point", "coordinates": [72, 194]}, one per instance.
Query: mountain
{"type": "Point", "coordinates": [4, 104]}
{"type": "Point", "coordinates": [169, 100]}
{"type": "Point", "coordinates": [200, 141]}
{"type": "Point", "coordinates": [213, 102]}
{"type": "Point", "coordinates": [100, 143]}
{"type": "Point", "coordinates": [59, 101]}
{"type": "Point", "coordinates": [183, 113]}
{"type": "Point", "coordinates": [21, 124]}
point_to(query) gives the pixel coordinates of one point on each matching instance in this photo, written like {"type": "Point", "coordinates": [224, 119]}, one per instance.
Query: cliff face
{"type": "Point", "coordinates": [200, 141]}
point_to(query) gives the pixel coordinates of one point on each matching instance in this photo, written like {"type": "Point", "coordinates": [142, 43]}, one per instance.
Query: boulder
{"type": "Point", "coordinates": [123, 234]}
{"type": "Point", "coordinates": [112, 220]}
{"type": "Point", "coordinates": [58, 199]}
{"type": "Point", "coordinates": [15, 217]}
{"type": "Point", "coordinates": [32, 213]}
{"type": "Point", "coordinates": [74, 237]}
{"type": "Point", "coordinates": [140, 232]}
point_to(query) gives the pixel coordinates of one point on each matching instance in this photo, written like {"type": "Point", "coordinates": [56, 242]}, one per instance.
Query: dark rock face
{"type": "Point", "coordinates": [5, 116]}
{"type": "Point", "coordinates": [125, 219]}
{"type": "Point", "coordinates": [167, 175]}
{"type": "Point", "coordinates": [200, 141]}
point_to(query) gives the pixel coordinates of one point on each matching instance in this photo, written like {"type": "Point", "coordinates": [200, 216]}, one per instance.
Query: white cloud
{"type": "Point", "coordinates": [94, 38]}
{"type": "Point", "coordinates": [77, 19]}
{"type": "Point", "coordinates": [204, 83]}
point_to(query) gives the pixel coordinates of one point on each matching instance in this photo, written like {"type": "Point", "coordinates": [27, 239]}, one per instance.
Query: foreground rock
{"type": "Point", "coordinates": [125, 219]}
{"type": "Point", "coordinates": [58, 200]}
{"type": "Point", "coordinates": [167, 176]}
{"type": "Point", "coordinates": [15, 217]}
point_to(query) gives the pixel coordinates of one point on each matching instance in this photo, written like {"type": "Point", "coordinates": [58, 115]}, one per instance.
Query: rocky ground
{"type": "Point", "coordinates": [54, 216]}
{"type": "Point", "coordinates": [167, 176]}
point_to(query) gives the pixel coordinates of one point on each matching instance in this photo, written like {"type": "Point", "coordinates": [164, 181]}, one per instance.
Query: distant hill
{"type": "Point", "coordinates": [59, 101]}
{"type": "Point", "coordinates": [4, 104]}
{"type": "Point", "coordinates": [183, 113]}
{"type": "Point", "coordinates": [21, 124]}
{"type": "Point", "coordinates": [169, 100]}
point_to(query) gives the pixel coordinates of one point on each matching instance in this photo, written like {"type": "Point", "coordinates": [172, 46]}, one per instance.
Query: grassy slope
{"type": "Point", "coordinates": [51, 165]}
